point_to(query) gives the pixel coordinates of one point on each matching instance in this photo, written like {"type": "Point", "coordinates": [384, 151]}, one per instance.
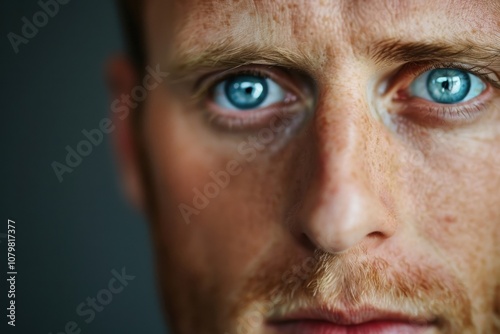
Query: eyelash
{"type": "Point", "coordinates": [481, 71]}
{"type": "Point", "coordinates": [249, 120]}
{"type": "Point", "coordinates": [205, 85]}
{"type": "Point", "coordinates": [429, 112]}
{"type": "Point", "coordinates": [432, 113]}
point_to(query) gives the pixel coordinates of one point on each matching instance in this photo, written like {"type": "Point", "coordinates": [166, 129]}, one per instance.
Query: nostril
{"type": "Point", "coordinates": [375, 238]}
{"type": "Point", "coordinates": [306, 242]}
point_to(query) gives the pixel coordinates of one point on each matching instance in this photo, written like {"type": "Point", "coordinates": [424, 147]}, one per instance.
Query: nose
{"type": "Point", "coordinates": [349, 199]}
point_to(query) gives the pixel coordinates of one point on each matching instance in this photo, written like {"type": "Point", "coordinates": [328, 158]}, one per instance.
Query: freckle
{"type": "Point", "coordinates": [449, 219]}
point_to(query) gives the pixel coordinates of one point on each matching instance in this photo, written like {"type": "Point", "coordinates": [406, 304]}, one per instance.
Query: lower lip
{"type": "Point", "coordinates": [372, 327]}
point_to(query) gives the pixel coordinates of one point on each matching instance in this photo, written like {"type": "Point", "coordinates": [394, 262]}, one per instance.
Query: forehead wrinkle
{"type": "Point", "coordinates": [266, 32]}
{"type": "Point", "coordinates": [241, 20]}
{"type": "Point", "coordinates": [307, 34]}
{"type": "Point", "coordinates": [411, 19]}
{"type": "Point", "coordinates": [477, 13]}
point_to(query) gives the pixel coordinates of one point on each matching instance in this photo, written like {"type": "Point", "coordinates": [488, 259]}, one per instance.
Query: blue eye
{"type": "Point", "coordinates": [246, 92]}
{"type": "Point", "coordinates": [447, 86]}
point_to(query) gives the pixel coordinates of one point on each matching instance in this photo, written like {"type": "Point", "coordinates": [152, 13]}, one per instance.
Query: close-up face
{"type": "Point", "coordinates": [320, 166]}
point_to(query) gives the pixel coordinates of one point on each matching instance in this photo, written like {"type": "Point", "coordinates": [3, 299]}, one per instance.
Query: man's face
{"type": "Point", "coordinates": [325, 166]}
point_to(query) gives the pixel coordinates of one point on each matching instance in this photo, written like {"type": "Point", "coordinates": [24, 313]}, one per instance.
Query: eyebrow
{"type": "Point", "coordinates": [393, 50]}
{"type": "Point", "coordinates": [232, 55]}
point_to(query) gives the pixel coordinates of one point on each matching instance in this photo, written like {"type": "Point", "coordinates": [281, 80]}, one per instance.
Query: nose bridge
{"type": "Point", "coordinates": [342, 146]}
{"type": "Point", "coordinates": [346, 205]}
{"type": "Point", "coordinates": [347, 141]}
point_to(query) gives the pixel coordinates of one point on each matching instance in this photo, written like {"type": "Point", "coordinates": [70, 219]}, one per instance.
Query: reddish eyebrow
{"type": "Point", "coordinates": [391, 50]}
{"type": "Point", "coordinates": [229, 55]}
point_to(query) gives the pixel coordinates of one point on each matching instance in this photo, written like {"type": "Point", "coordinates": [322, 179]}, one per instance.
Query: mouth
{"type": "Point", "coordinates": [366, 320]}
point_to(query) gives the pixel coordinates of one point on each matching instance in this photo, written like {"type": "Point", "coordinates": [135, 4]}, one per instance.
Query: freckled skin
{"type": "Point", "coordinates": [413, 196]}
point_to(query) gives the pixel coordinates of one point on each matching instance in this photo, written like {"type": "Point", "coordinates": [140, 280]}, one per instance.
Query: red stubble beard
{"type": "Point", "coordinates": [350, 281]}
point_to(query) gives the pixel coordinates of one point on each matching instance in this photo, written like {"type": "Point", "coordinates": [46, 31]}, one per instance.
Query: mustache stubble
{"type": "Point", "coordinates": [352, 281]}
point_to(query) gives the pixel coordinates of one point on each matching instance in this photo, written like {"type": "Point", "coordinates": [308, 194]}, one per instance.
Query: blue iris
{"type": "Point", "coordinates": [246, 91]}
{"type": "Point", "coordinates": [448, 85]}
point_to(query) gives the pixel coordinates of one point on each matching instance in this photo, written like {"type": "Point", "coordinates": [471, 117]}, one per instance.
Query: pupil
{"type": "Point", "coordinates": [246, 91]}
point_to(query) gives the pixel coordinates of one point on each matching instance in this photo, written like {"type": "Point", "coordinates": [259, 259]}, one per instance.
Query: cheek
{"type": "Point", "coordinates": [199, 167]}
{"type": "Point", "coordinates": [237, 205]}
{"type": "Point", "coordinates": [454, 187]}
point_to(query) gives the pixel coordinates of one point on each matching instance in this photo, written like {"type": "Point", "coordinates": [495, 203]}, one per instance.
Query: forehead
{"type": "Point", "coordinates": [325, 26]}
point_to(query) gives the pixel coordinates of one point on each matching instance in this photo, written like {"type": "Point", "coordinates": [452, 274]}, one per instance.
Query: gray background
{"type": "Point", "coordinates": [70, 235]}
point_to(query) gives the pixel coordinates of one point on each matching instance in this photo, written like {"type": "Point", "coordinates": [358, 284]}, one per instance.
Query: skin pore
{"type": "Point", "coordinates": [351, 193]}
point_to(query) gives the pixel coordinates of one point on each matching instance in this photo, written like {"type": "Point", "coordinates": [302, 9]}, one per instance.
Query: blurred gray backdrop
{"type": "Point", "coordinates": [70, 235]}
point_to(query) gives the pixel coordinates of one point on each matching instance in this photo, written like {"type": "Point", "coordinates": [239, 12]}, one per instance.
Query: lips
{"type": "Point", "coordinates": [366, 320]}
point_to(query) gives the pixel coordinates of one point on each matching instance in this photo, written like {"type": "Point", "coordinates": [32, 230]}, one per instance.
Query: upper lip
{"type": "Point", "coordinates": [346, 317]}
